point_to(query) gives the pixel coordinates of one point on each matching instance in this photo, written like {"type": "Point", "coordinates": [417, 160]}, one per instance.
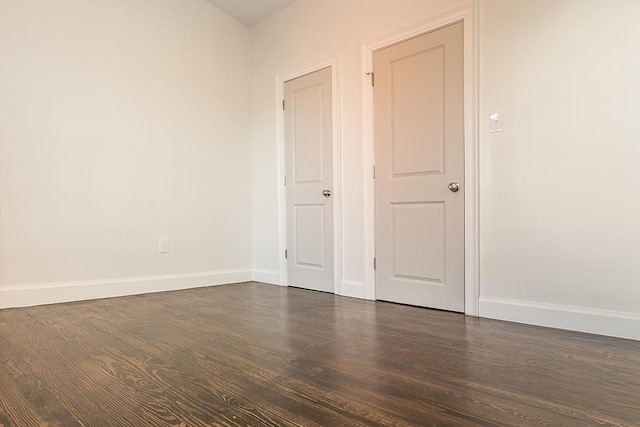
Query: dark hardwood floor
{"type": "Point", "coordinates": [254, 354]}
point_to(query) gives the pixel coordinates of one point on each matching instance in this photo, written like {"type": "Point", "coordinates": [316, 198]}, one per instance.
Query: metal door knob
{"type": "Point", "coordinates": [454, 186]}
{"type": "Point", "coordinates": [326, 193]}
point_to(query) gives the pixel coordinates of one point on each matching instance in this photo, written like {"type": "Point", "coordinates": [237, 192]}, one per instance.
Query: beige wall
{"type": "Point", "coordinates": [121, 122]}
{"type": "Point", "coordinates": [559, 208]}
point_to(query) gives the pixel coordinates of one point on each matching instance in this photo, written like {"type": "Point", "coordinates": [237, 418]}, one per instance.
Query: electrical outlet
{"type": "Point", "coordinates": [163, 245]}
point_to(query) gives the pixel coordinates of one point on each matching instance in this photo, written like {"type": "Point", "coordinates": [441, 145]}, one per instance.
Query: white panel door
{"type": "Point", "coordinates": [309, 181]}
{"type": "Point", "coordinates": [419, 156]}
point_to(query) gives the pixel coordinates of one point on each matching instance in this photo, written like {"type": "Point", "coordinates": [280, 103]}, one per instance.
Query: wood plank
{"type": "Point", "coordinates": [114, 386]}
{"type": "Point", "coordinates": [15, 408]}
{"type": "Point", "coordinates": [254, 354]}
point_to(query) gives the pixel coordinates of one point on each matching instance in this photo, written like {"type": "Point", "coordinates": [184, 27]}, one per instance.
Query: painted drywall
{"type": "Point", "coordinates": [559, 209]}
{"type": "Point", "coordinates": [304, 33]}
{"type": "Point", "coordinates": [122, 122]}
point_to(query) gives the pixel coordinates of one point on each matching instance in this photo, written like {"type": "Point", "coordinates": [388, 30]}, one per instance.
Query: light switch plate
{"type": "Point", "coordinates": [163, 245]}
{"type": "Point", "coordinates": [496, 122]}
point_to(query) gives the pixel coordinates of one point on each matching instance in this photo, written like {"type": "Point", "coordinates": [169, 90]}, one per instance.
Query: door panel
{"type": "Point", "coordinates": [419, 150]}
{"type": "Point", "coordinates": [417, 113]}
{"type": "Point", "coordinates": [308, 241]}
{"type": "Point", "coordinates": [417, 234]}
{"type": "Point", "coordinates": [308, 140]}
{"type": "Point", "coordinates": [309, 156]}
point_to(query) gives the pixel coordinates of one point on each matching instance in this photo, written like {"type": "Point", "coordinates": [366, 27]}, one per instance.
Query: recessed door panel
{"type": "Point", "coordinates": [309, 156]}
{"type": "Point", "coordinates": [308, 139]}
{"type": "Point", "coordinates": [417, 115]}
{"type": "Point", "coordinates": [418, 235]}
{"type": "Point", "coordinates": [419, 156]}
{"type": "Point", "coordinates": [309, 236]}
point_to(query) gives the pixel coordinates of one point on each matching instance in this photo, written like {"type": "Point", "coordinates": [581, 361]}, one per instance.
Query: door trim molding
{"type": "Point", "coordinates": [333, 62]}
{"type": "Point", "coordinates": [466, 13]}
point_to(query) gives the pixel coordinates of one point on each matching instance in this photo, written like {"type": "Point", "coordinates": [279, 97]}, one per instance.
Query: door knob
{"type": "Point", "coordinates": [454, 186]}
{"type": "Point", "coordinates": [326, 193]}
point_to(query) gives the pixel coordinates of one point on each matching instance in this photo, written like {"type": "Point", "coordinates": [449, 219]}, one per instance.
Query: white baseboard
{"type": "Point", "coordinates": [611, 323]}
{"type": "Point", "coordinates": [53, 293]}
{"type": "Point", "coordinates": [353, 289]}
{"type": "Point", "coordinates": [270, 277]}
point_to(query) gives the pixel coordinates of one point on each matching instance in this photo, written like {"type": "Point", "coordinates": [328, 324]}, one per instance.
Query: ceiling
{"type": "Point", "coordinates": [250, 12]}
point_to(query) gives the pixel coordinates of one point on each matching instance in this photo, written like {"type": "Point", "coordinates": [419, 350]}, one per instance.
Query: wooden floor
{"type": "Point", "coordinates": [256, 354]}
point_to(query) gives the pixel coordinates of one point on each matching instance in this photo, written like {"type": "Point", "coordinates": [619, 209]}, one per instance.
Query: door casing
{"type": "Point", "coordinates": [281, 78]}
{"type": "Point", "coordinates": [467, 14]}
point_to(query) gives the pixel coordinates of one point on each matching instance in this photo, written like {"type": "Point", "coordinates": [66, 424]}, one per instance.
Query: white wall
{"type": "Point", "coordinates": [558, 210]}
{"type": "Point", "coordinates": [120, 122]}
{"type": "Point", "coordinates": [301, 34]}
{"type": "Point", "coordinates": [559, 207]}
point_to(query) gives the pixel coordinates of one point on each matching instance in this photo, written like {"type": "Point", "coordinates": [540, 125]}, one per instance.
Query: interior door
{"type": "Point", "coordinates": [309, 181]}
{"type": "Point", "coordinates": [419, 157]}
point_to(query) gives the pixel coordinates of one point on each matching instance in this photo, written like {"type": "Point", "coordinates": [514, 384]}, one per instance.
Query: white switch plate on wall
{"type": "Point", "coordinates": [496, 122]}
{"type": "Point", "coordinates": [163, 245]}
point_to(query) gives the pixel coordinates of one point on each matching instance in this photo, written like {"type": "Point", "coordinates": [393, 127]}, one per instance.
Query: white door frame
{"type": "Point", "coordinates": [281, 78]}
{"type": "Point", "coordinates": [464, 13]}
